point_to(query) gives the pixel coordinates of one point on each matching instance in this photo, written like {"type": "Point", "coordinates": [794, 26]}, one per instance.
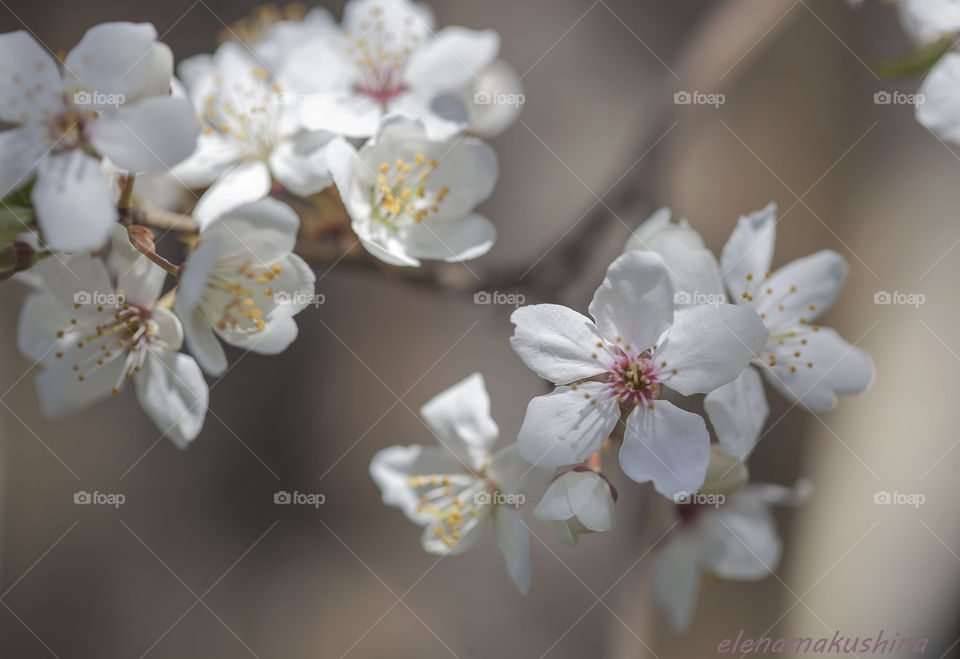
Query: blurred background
{"type": "Point", "coordinates": [199, 562]}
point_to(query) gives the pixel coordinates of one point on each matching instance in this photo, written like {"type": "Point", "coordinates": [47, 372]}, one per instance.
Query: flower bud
{"type": "Point", "coordinates": [578, 501]}
{"type": "Point", "coordinates": [16, 257]}
{"type": "Point", "coordinates": [725, 474]}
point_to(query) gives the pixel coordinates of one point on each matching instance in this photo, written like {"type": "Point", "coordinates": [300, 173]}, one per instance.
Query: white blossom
{"type": "Point", "coordinates": [92, 328]}
{"type": "Point", "coordinates": [411, 198]}
{"type": "Point", "coordinates": [243, 284]}
{"type": "Point", "coordinates": [111, 99]}
{"type": "Point", "coordinates": [459, 490]}
{"type": "Point", "coordinates": [617, 365]}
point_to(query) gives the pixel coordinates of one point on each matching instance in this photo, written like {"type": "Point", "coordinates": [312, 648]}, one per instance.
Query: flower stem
{"type": "Point", "coordinates": [156, 258]}
{"type": "Point", "coordinates": [126, 192]}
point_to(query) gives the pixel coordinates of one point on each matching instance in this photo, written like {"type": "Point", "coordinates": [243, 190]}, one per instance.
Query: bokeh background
{"type": "Point", "coordinates": [199, 562]}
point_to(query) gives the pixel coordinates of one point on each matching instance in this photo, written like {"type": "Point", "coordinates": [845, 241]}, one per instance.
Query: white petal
{"type": "Point", "coordinates": [940, 109]}
{"type": "Point", "coordinates": [554, 505]}
{"type": "Point", "coordinates": [676, 579]}
{"type": "Point", "coordinates": [391, 468]}
{"type": "Point", "coordinates": [41, 317]}
{"type": "Point", "coordinates": [213, 156]}
{"type": "Point", "coordinates": [495, 100]}
{"type": "Point", "coordinates": [115, 59]}
{"type": "Point", "coordinates": [568, 425]}
{"type": "Point", "coordinates": [928, 20]}
{"type": "Point", "coordinates": [153, 134]}
{"type": "Point", "coordinates": [558, 343]}
{"type": "Point", "coordinates": [738, 411]}
{"type": "Point", "coordinates": [451, 240]}
{"type": "Point", "coordinates": [460, 416]}
{"type": "Point", "coordinates": [666, 445]}
{"type": "Point", "coordinates": [413, 19]}
{"type": "Point", "coordinates": [173, 393]}
{"type": "Point", "coordinates": [634, 304]}
{"type": "Point", "coordinates": [740, 544]}
{"type": "Point", "coordinates": [29, 78]}
{"type": "Point", "coordinates": [827, 366]}
{"type": "Point", "coordinates": [513, 539]}
{"type": "Point", "coordinates": [73, 203]}
{"type": "Point", "coordinates": [591, 500]}
{"type": "Point", "coordinates": [452, 59]}
{"type": "Point", "coordinates": [804, 288]}
{"type": "Point", "coordinates": [347, 114]}
{"type": "Point", "coordinates": [749, 251]}
{"type": "Point", "coordinates": [709, 347]}
{"type": "Point", "coordinates": [300, 163]}
{"type": "Point", "coordinates": [202, 342]}
{"type": "Point", "coordinates": [265, 230]}
{"type": "Point", "coordinates": [62, 392]}
{"type": "Point", "coordinates": [22, 151]}
{"type": "Point", "coordinates": [244, 183]}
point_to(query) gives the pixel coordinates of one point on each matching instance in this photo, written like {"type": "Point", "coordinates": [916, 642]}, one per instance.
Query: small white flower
{"type": "Point", "coordinates": [806, 363]}
{"type": "Point", "coordinates": [458, 491]}
{"type": "Point", "coordinates": [940, 90]}
{"type": "Point", "coordinates": [91, 336]}
{"type": "Point", "coordinates": [617, 364]}
{"type": "Point", "coordinates": [928, 20]}
{"type": "Point", "coordinates": [693, 268]}
{"type": "Point", "coordinates": [388, 59]}
{"type": "Point", "coordinates": [242, 283]}
{"type": "Point", "coordinates": [251, 131]}
{"type": "Point", "coordinates": [411, 198]}
{"type": "Point", "coordinates": [736, 540]}
{"type": "Point", "coordinates": [112, 100]}
{"type": "Point", "coordinates": [578, 501]}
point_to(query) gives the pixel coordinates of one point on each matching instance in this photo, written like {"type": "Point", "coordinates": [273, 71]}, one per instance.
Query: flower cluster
{"type": "Point", "coordinates": [383, 112]}
{"type": "Point", "coordinates": [660, 330]}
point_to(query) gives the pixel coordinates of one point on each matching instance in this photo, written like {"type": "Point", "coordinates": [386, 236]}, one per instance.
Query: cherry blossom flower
{"type": "Point", "coordinates": [578, 501]}
{"type": "Point", "coordinates": [411, 198]}
{"type": "Point", "coordinates": [251, 134]}
{"type": "Point", "coordinates": [93, 328]}
{"type": "Point", "coordinates": [388, 59]}
{"type": "Point", "coordinates": [805, 362]}
{"type": "Point", "coordinates": [110, 100]}
{"type": "Point", "coordinates": [736, 540]}
{"type": "Point", "coordinates": [616, 366]}
{"type": "Point", "coordinates": [243, 284]}
{"type": "Point", "coordinates": [459, 490]}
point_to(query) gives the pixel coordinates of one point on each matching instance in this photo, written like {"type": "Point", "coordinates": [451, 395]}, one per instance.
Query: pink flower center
{"type": "Point", "coordinates": [633, 379]}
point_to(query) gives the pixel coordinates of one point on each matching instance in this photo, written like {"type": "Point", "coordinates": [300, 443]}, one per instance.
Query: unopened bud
{"type": "Point", "coordinates": [142, 235]}
{"type": "Point", "coordinates": [16, 257]}
{"type": "Point", "coordinates": [725, 474]}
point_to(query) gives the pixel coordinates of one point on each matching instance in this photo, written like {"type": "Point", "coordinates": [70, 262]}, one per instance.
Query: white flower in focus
{"type": "Point", "coordinates": [388, 59]}
{"type": "Point", "coordinates": [736, 540]}
{"type": "Point", "coordinates": [411, 198]}
{"type": "Point", "coordinates": [459, 490]}
{"type": "Point", "coordinates": [92, 336]}
{"type": "Point", "coordinates": [939, 110]}
{"type": "Point", "coordinates": [693, 268]}
{"type": "Point", "coordinates": [112, 99]}
{"type": "Point", "coordinates": [578, 501]}
{"type": "Point", "coordinates": [928, 20]}
{"type": "Point", "coordinates": [243, 284]}
{"type": "Point", "coordinates": [251, 132]}
{"type": "Point", "coordinates": [617, 365]}
{"type": "Point", "coordinates": [806, 363]}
